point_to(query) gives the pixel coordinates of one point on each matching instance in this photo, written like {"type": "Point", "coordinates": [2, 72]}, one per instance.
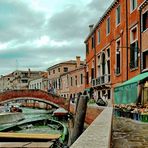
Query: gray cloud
{"type": "Point", "coordinates": [23, 25]}
{"type": "Point", "coordinates": [18, 21]}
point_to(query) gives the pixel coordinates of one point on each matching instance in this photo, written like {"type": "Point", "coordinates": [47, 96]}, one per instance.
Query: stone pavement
{"type": "Point", "coordinates": [127, 133]}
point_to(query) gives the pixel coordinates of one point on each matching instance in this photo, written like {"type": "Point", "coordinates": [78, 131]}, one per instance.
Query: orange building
{"type": "Point", "coordinates": [113, 47]}
{"type": "Point", "coordinates": [143, 8]}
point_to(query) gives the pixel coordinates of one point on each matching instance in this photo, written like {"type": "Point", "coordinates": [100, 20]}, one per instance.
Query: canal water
{"type": "Point", "coordinates": [39, 121]}
{"type": "Point", "coordinates": [31, 114]}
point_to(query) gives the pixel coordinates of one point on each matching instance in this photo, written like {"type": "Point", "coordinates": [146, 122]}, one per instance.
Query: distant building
{"type": "Point", "coordinates": [41, 82]}
{"type": "Point", "coordinates": [6, 82]}
{"type": "Point", "coordinates": [56, 71]}
{"type": "Point", "coordinates": [73, 82]}
{"type": "Point", "coordinates": [18, 79]}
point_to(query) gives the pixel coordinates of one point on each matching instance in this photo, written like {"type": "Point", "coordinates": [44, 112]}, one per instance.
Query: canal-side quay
{"type": "Point", "coordinates": [128, 133]}
{"type": "Point", "coordinates": [109, 131]}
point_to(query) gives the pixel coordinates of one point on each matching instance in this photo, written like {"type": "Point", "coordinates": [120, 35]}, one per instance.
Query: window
{"type": "Point", "coordinates": [58, 69]}
{"type": "Point", "coordinates": [92, 70]}
{"type": "Point", "coordinates": [81, 78]}
{"type": "Point", "coordinates": [53, 71]}
{"type": "Point", "coordinates": [87, 78]}
{"type": "Point", "coordinates": [103, 62]}
{"type": "Point", "coordinates": [37, 86]}
{"type": "Point", "coordinates": [92, 73]}
{"type": "Point", "coordinates": [134, 47]}
{"type": "Point", "coordinates": [71, 81]}
{"type": "Point", "coordinates": [109, 93]}
{"type": "Point", "coordinates": [134, 55]}
{"type": "Point", "coordinates": [65, 69]}
{"type": "Point", "coordinates": [133, 35]}
{"type": "Point", "coordinates": [87, 48]}
{"type": "Point", "coordinates": [93, 42]}
{"type": "Point", "coordinates": [118, 56]}
{"type": "Point", "coordinates": [108, 53]}
{"type": "Point", "coordinates": [24, 81]}
{"type": "Point", "coordinates": [49, 72]}
{"type": "Point", "coordinates": [108, 66]}
{"type": "Point", "coordinates": [145, 60]}
{"type": "Point", "coordinates": [108, 26]}
{"type": "Point", "coordinates": [118, 17]}
{"type": "Point", "coordinates": [99, 66]}
{"type": "Point", "coordinates": [40, 85]}
{"type": "Point", "coordinates": [99, 39]}
{"type": "Point", "coordinates": [59, 83]}
{"type": "Point", "coordinates": [133, 5]}
{"type": "Point", "coordinates": [76, 80]}
{"type": "Point", "coordinates": [145, 21]}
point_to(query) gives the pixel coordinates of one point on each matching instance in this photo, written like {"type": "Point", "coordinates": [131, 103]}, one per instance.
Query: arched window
{"type": "Point", "coordinates": [103, 63]}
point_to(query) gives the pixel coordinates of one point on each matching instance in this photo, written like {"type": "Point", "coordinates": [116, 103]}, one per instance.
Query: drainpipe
{"type": "Point", "coordinates": [127, 39]}
{"type": "Point", "coordinates": [95, 71]}
{"type": "Point", "coordinates": [140, 43]}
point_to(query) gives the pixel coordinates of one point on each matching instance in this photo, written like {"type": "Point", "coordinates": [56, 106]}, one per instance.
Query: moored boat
{"type": "Point", "coordinates": [41, 129]}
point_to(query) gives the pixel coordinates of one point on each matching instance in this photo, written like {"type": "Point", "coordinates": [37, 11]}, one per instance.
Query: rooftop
{"type": "Point", "coordinates": [114, 3]}
{"type": "Point", "coordinates": [73, 62]}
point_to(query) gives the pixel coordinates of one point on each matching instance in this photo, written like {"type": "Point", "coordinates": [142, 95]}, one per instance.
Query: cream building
{"type": "Point", "coordinates": [55, 72]}
{"type": "Point", "coordinates": [18, 79]}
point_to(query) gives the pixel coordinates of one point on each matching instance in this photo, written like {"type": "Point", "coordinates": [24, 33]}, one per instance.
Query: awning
{"type": "Point", "coordinates": [87, 89]}
{"type": "Point", "coordinates": [135, 79]}
{"type": "Point", "coordinates": [126, 93]}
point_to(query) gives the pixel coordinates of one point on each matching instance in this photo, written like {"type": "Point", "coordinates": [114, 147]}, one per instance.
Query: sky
{"type": "Point", "coordinates": [37, 34]}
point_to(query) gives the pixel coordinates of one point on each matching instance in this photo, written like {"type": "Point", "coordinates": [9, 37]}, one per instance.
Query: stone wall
{"type": "Point", "coordinates": [10, 117]}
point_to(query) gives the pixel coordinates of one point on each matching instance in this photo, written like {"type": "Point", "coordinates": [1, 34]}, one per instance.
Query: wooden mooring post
{"type": "Point", "coordinates": [79, 118]}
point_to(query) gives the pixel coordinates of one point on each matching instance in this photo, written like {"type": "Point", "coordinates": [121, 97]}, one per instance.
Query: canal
{"type": "Point", "coordinates": [40, 123]}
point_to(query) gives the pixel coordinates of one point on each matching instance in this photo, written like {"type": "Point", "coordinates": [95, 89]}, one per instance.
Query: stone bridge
{"type": "Point", "coordinates": [39, 94]}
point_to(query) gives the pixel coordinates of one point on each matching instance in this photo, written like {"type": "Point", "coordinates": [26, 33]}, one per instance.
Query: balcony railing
{"type": "Point", "coordinates": [101, 80]}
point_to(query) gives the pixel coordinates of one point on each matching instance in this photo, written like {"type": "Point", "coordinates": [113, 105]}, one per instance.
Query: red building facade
{"type": "Point", "coordinates": [113, 47]}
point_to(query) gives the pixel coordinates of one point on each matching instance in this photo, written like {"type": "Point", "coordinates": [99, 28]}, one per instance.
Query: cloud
{"type": "Point", "coordinates": [44, 33]}
{"type": "Point", "coordinates": [18, 21]}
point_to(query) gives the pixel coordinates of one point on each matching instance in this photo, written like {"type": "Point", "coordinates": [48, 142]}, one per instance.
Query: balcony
{"type": "Point", "coordinates": [105, 79]}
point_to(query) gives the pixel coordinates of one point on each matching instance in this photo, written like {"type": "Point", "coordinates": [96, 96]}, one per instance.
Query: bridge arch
{"type": "Point", "coordinates": [36, 94]}
{"type": "Point", "coordinates": [26, 100]}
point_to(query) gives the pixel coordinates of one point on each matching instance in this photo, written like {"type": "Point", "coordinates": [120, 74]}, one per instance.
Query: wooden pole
{"type": "Point", "coordinates": [79, 119]}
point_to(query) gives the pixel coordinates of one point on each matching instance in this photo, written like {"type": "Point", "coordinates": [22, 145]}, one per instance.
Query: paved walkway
{"type": "Point", "coordinates": [128, 133]}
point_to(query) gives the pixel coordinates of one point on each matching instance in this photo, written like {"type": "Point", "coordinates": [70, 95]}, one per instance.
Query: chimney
{"type": "Point", "coordinates": [91, 27]}
{"type": "Point", "coordinates": [78, 61]}
{"type": "Point", "coordinates": [29, 73]}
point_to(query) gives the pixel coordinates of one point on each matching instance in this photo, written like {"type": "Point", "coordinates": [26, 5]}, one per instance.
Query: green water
{"type": "Point", "coordinates": [29, 115]}
{"type": "Point", "coordinates": [40, 130]}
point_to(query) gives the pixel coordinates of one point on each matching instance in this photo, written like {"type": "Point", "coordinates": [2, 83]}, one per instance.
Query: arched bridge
{"type": "Point", "coordinates": [39, 94]}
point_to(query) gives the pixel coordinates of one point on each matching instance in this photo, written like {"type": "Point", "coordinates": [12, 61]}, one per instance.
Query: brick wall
{"type": "Point", "coordinates": [91, 113]}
